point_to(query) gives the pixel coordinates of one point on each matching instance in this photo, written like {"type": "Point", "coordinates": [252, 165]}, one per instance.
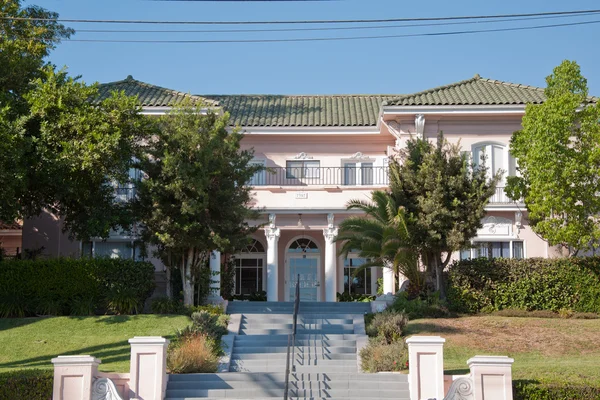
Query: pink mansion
{"type": "Point", "coordinates": [324, 151]}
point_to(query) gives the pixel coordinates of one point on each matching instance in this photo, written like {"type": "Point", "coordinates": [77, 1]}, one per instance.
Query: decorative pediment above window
{"type": "Point", "coordinates": [495, 226]}
{"type": "Point", "coordinates": [358, 156]}
{"type": "Point", "coordinates": [303, 156]}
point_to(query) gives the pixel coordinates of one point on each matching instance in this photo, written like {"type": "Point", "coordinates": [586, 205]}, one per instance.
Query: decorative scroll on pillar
{"type": "Point", "coordinates": [272, 233]}
{"type": "Point", "coordinates": [105, 389]}
{"type": "Point", "coordinates": [330, 259]}
{"type": "Point", "coordinates": [420, 125]}
{"type": "Point", "coordinates": [461, 389]}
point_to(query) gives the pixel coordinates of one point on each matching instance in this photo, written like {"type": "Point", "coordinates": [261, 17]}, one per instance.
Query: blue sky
{"type": "Point", "coordinates": [398, 65]}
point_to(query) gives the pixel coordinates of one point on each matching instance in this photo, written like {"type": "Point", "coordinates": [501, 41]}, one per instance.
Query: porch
{"type": "Point", "coordinates": [302, 245]}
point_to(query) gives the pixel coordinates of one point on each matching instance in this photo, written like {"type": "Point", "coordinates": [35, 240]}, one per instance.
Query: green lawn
{"type": "Point", "coordinates": [32, 342]}
{"type": "Point", "coordinates": [544, 349]}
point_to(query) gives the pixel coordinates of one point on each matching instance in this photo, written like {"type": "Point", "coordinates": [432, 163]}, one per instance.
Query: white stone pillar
{"type": "Point", "coordinates": [388, 280]}
{"type": "Point", "coordinates": [426, 367]}
{"type": "Point", "coordinates": [492, 377]}
{"type": "Point", "coordinates": [73, 377]}
{"type": "Point", "coordinates": [215, 274]}
{"type": "Point", "coordinates": [330, 260]}
{"type": "Point", "coordinates": [148, 367]}
{"type": "Point", "coordinates": [272, 233]}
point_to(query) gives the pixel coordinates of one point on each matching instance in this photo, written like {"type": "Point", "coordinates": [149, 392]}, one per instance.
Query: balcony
{"type": "Point", "coordinates": [322, 176]}
{"type": "Point", "coordinates": [500, 198]}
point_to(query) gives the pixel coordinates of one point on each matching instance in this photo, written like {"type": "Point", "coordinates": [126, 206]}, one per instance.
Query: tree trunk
{"type": "Point", "coordinates": [169, 288]}
{"type": "Point", "coordinates": [441, 285]}
{"type": "Point", "coordinates": [186, 278]}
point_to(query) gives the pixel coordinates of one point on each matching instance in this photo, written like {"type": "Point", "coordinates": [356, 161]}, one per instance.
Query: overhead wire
{"type": "Point", "coordinates": [342, 38]}
{"type": "Point", "coordinates": [356, 21]}
{"type": "Point", "coordinates": [337, 28]}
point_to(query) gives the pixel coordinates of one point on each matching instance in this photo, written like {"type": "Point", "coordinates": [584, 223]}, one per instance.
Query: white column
{"type": "Point", "coordinates": [492, 377]}
{"type": "Point", "coordinates": [272, 233]}
{"type": "Point", "coordinates": [215, 274]}
{"type": "Point", "coordinates": [388, 280]}
{"type": "Point", "coordinates": [330, 259]}
{"type": "Point", "coordinates": [426, 367]}
{"type": "Point", "coordinates": [148, 367]}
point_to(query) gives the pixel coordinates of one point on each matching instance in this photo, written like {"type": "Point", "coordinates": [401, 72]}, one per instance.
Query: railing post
{"type": "Point", "coordinates": [73, 377]}
{"type": "Point", "coordinates": [148, 367]}
{"type": "Point", "coordinates": [492, 377]}
{"type": "Point", "coordinates": [426, 367]}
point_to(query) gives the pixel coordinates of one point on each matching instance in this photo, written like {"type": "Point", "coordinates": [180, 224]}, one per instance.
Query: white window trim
{"type": "Point", "coordinates": [373, 285]}
{"type": "Point", "coordinates": [252, 256]}
{"type": "Point", "coordinates": [358, 162]}
{"type": "Point", "coordinates": [510, 240]}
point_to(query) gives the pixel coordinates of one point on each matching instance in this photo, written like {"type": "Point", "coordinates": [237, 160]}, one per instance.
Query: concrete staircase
{"type": "Point", "coordinates": [325, 356]}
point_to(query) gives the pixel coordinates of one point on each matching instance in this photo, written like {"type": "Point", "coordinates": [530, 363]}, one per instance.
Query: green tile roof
{"type": "Point", "coordinates": [148, 95]}
{"type": "Point", "coordinates": [474, 91]}
{"type": "Point", "coordinates": [302, 111]}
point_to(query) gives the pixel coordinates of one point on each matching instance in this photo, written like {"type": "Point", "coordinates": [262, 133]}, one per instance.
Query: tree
{"type": "Point", "coordinates": [61, 149]}
{"type": "Point", "coordinates": [444, 195]}
{"type": "Point", "coordinates": [194, 198]}
{"type": "Point", "coordinates": [558, 153]}
{"type": "Point", "coordinates": [381, 236]}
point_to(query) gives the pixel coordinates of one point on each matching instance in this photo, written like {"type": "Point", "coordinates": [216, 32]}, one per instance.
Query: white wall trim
{"type": "Point", "coordinates": [454, 110]}
{"type": "Point", "coordinates": [164, 110]}
{"type": "Point", "coordinates": [311, 130]}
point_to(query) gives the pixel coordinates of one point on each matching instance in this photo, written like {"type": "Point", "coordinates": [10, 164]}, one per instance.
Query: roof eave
{"type": "Point", "coordinates": [517, 109]}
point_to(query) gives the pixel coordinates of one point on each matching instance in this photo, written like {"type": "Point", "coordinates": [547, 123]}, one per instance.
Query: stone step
{"type": "Point", "coordinates": [263, 342]}
{"type": "Point", "coordinates": [299, 349]}
{"type": "Point", "coordinates": [265, 392]}
{"type": "Point", "coordinates": [297, 356]}
{"type": "Point", "coordinates": [315, 376]}
{"type": "Point", "coordinates": [300, 336]}
{"type": "Point", "coordinates": [280, 384]}
{"type": "Point", "coordinates": [258, 331]}
{"type": "Point", "coordinates": [299, 325]}
{"type": "Point", "coordinates": [334, 366]}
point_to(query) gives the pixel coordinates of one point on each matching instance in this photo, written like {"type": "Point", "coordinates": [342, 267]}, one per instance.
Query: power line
{"type": "Point", "coordinates": [107, 21]}
{"type": "Point", "coordinates": [337, 28]}
{"type": "Point", "coordinates": [337, 38]}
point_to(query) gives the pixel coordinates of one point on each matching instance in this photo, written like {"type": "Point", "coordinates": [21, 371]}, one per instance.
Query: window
{"type": "Point", "coordinates": [249, 269]}
{"type": "Point", "coordinates": [125, 249]}
{"type": "Point", "coordinates": [359, 283]}
{"type": "Point", "coordinates": [507, 249]}
{"type": "Point", "coordinates": [258, 179]}
{"type": "Point", "coordinates": [125, 191]}
{"type": "Point", "coordinates": [303, 245]}
{"type": "Point", "coordinates": [302, 169]}
{"type": "Point", "coordinates": [358, 173]}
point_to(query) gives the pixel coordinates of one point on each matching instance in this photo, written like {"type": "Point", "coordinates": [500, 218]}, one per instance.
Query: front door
{"type": "Point", "coordinates": [304, 268]}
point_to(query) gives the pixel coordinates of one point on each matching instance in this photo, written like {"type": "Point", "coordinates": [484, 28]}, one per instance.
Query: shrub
{"type": "Point", "coordinates": [58, 286]}
{"type": "Point", "coordinates": [193, 354]}
{"type": "Point", "coordinates": [559, 285]}
{"type": "Point", "coordinates": [122, 300]}
{"type": "Point", "coordinates": [26, 384]}
{"type": "Point", "coordinates": [380, 356]}
{"type": "Point", "coordinates": [214, 309]}
{"type": "Point", "coordinates": [388, 325]}
{"type": "Point", "coordinates": [346, 297]}
{"type": "Point", "coordinates": [166, 305]}
{"type": "Point", "coordinates": [430, 307]}
{"type": "Point", "coordinates": [532, 390]}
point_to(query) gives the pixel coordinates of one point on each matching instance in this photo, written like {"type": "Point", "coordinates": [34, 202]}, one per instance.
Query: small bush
{"type": "Point", "coordinates": [83, 306]}
{"type": "Point", "coordinates": [347, 297]}
{"type": "Point", "coordinates": [214, 309]}
{"type": "Point", "coordinates": [430, 307]}
{"type": "Point", "coordinates": [380, 356]}
{"type": "Point", "coordinates": [166, 305]}
{"type": "Point", "coordinates": [26, 384]}
{"type": "Point", "coordinates": [122, 301]}
{"type": "Point", "coordinates": [531, 390]}
{"type": "Point", "coordinates": [194, 354]}
{"type": "Point", "coordinates": [388, 324]}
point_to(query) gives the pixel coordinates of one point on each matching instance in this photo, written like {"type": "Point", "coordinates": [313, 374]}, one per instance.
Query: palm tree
{"type": "Point", "coordinates": [381, 236]}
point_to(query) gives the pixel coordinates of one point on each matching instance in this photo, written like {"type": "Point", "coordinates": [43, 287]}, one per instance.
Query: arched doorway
{"type": "Point", "coordinates": [303, 259]}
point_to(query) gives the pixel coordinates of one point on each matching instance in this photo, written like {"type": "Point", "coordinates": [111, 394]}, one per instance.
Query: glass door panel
{"type": "Point", "coordinates": [306, 268]}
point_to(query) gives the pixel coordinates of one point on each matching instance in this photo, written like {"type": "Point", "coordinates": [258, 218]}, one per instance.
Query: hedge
{"type": "Point", "coordinates": [73, 286]}
{"type": "Point", "coordinates": [484, 285]}
{"type": "Point", "coordinates": [533, 390]}
{"type": "Point", "coordinates": [26, 384]}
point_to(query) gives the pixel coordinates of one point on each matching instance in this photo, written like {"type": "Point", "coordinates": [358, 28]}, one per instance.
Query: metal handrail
{"type": "Point", "coordinates": [292, 341]}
